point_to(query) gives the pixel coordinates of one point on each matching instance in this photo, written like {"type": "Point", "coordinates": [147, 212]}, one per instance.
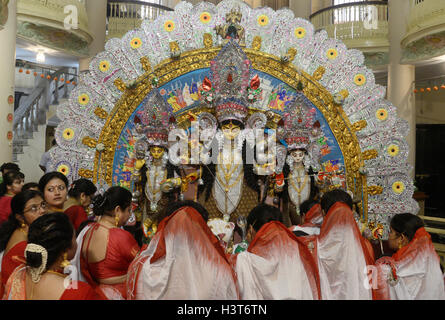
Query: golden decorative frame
{"type": "Point", "coordinates": [343, 130]}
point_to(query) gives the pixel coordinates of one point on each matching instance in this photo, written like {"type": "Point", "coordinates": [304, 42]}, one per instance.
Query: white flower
{"type": "Point", "coordinates": [100, 147]}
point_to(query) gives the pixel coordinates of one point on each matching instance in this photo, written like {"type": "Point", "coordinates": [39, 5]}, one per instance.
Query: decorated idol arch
{"type": "Point", "coordinates": [163, 74]}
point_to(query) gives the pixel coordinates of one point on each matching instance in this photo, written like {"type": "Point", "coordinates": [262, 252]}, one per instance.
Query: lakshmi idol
{"type": "Point", "coordinates": [152, 167]}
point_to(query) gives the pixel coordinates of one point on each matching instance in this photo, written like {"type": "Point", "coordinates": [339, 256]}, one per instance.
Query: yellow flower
{"type": "Point", "coordinates": [205, 17]}
{"type": "Point", "coordinates": [263, 20]}
{"type": "Point", "coordinates": [332, 54]}
{"type": "Point", "coordinates": [104, 66]}
{"type": "Point", "coordinates": [398, 187]}
{"type": "Point", "coordinates": [393, 150]}
{"type": "Point", "coordinates": [136, 43]}
{"type": "Point", "coordinates": [359, 79]}
{"type": "Point", "coordinates": [381, 114]}
{"type": "Point", "coordinates": [64, 169]}
{"type": "Point", "coordinates": [68, 134]}
{"type": "Point", "coordinates": [84, 99]}
{"type": "Point", "coordinates": [300, 32]}
{"type": "Point", "coordinates": [169, 25]}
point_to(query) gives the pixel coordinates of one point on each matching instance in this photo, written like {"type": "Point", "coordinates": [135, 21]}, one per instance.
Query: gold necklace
{"type": "Point", "coordinates": [57, 273]}
{"type": "Point", "coordinates": [151, 187]}
{"type": "Point", "coordinates": [227, 173]}
{"type": "Point", "coordinates": [300, 187]}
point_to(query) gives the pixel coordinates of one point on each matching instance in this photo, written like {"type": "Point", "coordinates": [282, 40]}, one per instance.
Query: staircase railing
{"type": "Point", "coordinates": [32, 110]}
{"type": "Point", "coordinates": [126, 15]}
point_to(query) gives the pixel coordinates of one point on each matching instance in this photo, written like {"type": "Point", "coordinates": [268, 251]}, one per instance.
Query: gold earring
{"type": "Point", "coordinates": [116, 220]}
{"type": "Point", "coordinates": [400, 245]}
{"type": "Point", "coordinates": [23, 225]}
{"type": "Point", "coordinates": [65, 263]}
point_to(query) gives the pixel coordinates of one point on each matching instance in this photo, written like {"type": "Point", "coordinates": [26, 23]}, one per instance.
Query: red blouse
{"type": "Point", "coordinates": [77, 215]}
{"type": "Point", "coordinates": [12, 259]}
{"type": "Point", "coordinates": [5, 208]}
{"type": "Point", "coordinates": [121, 250]}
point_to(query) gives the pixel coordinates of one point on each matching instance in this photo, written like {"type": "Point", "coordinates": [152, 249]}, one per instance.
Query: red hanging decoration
{"type": "Point", "coordinates": [255, 82]}
{"type": "Point", "coordinates": [207, 84]}
{"type": "Point", "coordinates": [229, 78]}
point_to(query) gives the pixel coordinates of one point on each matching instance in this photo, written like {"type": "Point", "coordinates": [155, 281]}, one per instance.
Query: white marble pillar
{"type": "Point", "coordinates": [7, 70]}
{"type": "Point", "coordinates": [401, 77]}
{"type": "Point", "coordinates": [97, 24]}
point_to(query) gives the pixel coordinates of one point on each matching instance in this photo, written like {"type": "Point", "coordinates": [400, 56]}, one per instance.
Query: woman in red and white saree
{"type": "Point", "coordinates": [343, 254]}
{"type": "Point", "coordinates": [51, 243]}
{"type": "Point", "coordinates": [107, 250]}
{"type": "Point", "coordinates": [26, 207]}
{"type": "Point", "coordinates": [413, 272]}
{"type": "Point", "coordinates": [184, 260]}
{"type": "Point", "coordinates": [277, 265]}
{"type": "Point", "coordinates": [312, 220]}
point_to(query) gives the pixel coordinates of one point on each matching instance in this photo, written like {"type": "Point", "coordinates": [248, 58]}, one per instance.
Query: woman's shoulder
{"type": "Point", "coordinates": [120, 233]}
{"type": "Point", "coordinates": [17, 242]}
{"type": "Point", "coordinates": [123, 238]}
{"type": "Point", "coordinates": [74, 208]}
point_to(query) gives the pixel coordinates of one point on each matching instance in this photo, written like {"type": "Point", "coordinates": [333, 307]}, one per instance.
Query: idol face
{"type": "Point", "coordinates": [231, 130]}
{"type": "Point", "coordinates": [157, 152]}
{"type": "Point", "coordinates": [298, 156]}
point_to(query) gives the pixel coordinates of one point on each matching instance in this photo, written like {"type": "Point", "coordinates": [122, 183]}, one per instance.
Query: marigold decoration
{"type": "Point", "coordinates": [73, 83]}
{"type": "Point", "coordinates": [68, 134]}
{"type": "Point", "coordinates": [104, 65]}
{"type": "Point", "coordinates": [382, 114]}
{"type": "Point", "coordinates": [205, 17]}
{"type": "Point", "coordinates": [10, 135]}
{"type": "Point", "coordinates": [48, 77]}
{"type": "Point", "coordinates": [398, 187]}
{"type": "Point", "coordinates": [20, 70]}
{"type": "Point", "coordinates": [300, 33]}
{"type": "Point", "coordinates": [360, 79]}
{"type": "Point", "coordinates": [68, 82]}
{"type": "Point", "coordinates": [422, 90]}
{"type": "Point", "coordinates": [428, 89]}
{"type": "Point", "coordinates": [169, 26]}
{"type": "Point", "coordinates": [62, 79]}
{"type": "Point", "coordinates": [136, 43]}
{"type": "Point", "coordinates": [10, 117]}
{"type": "Point", "coordinates": [443, 86]}
{"type": "Point", "coordinates": [10, 99]}
{"type": "Point", "coordinates": [64, 169]}
{"type": "Point", "coordinates": [55, 79]}
{"type": "Point", "coordinates": [84, 99]}
{"type": "Point", "coordinates": [263, 20]}
{"type": "Point", "coordinates": [393, 150]}
{"type": "Point", "coordinates": [35, 74]}
{"type": "Point", "coordinates": [415, 90]}
{"type": "Point", "coordinates": [42, 76]}
{"type": "Point", "coordinates": [332, 54]}
{"type": "Point", "coordinates": [436, 88]}
{"type": "Point", "coordinates": [28, 72]}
